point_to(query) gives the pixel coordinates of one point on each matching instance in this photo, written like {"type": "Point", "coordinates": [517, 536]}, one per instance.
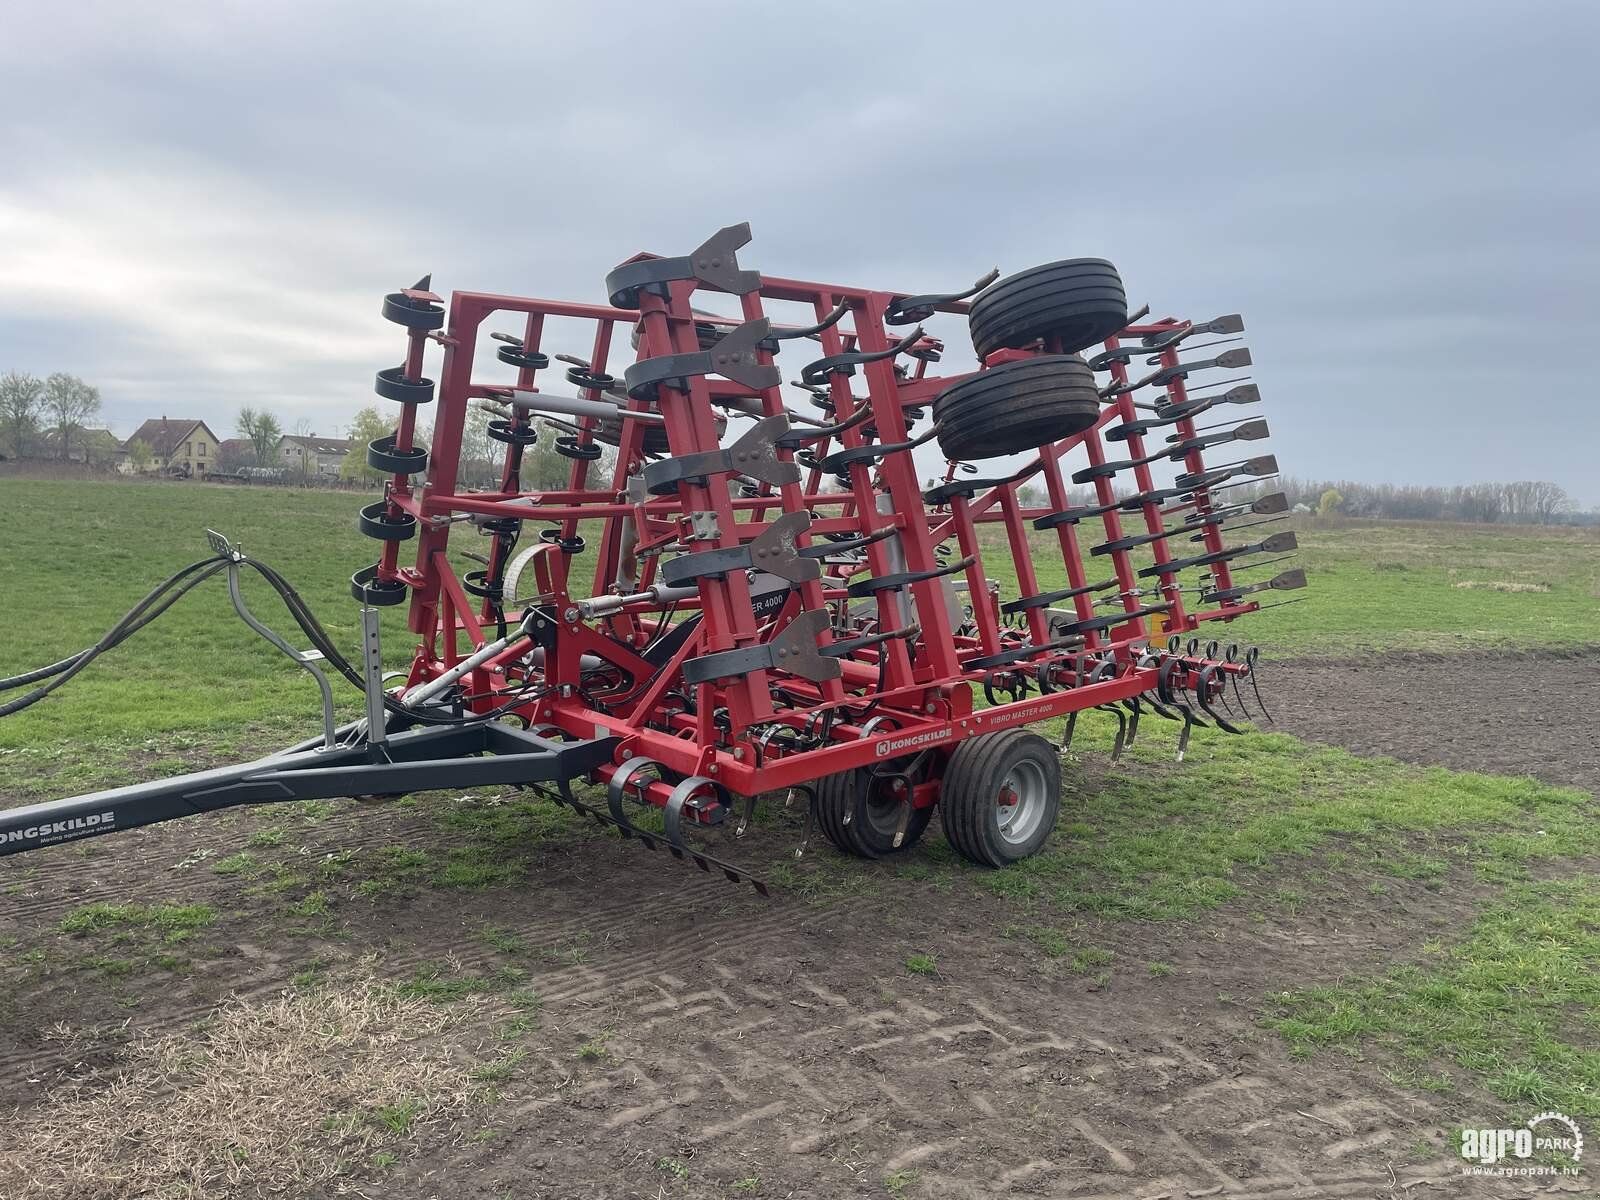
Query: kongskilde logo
{"type": "Point", "coordinates": [1503, 1152]}
{"type": "Point", "coordinates": [57, 831]}
{"type": "Point", "coordinates": [894, 745]}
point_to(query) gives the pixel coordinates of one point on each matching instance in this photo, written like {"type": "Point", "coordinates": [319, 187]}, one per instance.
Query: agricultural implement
{"type": "Point", "coordinates": [775, 603]}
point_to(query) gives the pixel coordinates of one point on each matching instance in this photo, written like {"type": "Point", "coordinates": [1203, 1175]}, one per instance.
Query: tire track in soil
{"type": "Point", "coordinates": [784, 1039]}
{"type": "Point", "coordinates": [735, 1064]}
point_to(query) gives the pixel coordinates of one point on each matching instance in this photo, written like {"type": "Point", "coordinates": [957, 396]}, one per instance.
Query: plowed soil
{"type": "Point", "coordinates": [694, 1038]}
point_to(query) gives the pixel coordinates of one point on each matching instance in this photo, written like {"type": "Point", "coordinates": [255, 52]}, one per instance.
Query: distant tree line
{"type": "Point", "coordinates": [1528, 501]}
{"type": "Point", "coordinates": [45, 418]}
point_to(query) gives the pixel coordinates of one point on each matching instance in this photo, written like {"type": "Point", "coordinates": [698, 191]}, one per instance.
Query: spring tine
{"type": "Point", "coordinates": [1072, 725]}
{"type": "Point", "coordinates": [1239, 696]}
{"type": "Point", "coordinates": [1183, 738]}
{"type": "Point", "coordinates": [1255, 686]}
{"type": "Point", "coordinates": [1222, 697]}
{"type": "Point", "coordinates": [905, 820]}
{"type": "Point", "coordinates": [1204, 697]}
{"type": "Point", "coordinates": [1133, 721]}
{"type": "Point", "coordinates": [1122, 729]}
{"type": "Point", "coordinates": [811, 820]}
{"type": "Point", "coordinates": [744, 819]}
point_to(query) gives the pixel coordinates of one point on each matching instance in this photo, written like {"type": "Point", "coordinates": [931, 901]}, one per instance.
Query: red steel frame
{"type": "Point", "coordinates": [919, 693]}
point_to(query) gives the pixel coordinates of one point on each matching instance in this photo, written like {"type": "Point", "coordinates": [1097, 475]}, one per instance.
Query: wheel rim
{"type": "Point", "coordinates": [1022, 802]}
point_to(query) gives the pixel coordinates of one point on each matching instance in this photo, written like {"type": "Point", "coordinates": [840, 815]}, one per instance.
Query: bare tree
{"type": "Point", "coordinates": [1550, 500]}
{"type": "Point", "coordinates": [71, 402]}
{"type": "Point", "coordinates": [21, 400]}
{"type": "Point", "coordinates": [263, 431]}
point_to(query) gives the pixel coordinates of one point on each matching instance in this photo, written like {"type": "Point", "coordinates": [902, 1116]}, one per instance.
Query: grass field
{"type": "Point", "coordinates": [1392, 585]}
{"type": "Point", "coordinates": [77, 556]}
{"type": "Point", "coordinates": [1255, 832]}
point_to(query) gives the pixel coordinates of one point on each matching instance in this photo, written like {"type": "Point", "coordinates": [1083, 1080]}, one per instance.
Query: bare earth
{"type": "Point", "coordinates": [1522, 714]}
{"type": "Point", "coordinates": [784, 1039]}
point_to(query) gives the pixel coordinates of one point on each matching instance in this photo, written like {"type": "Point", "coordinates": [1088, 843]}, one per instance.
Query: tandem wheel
{"type": "Point", "coordinates": [1000, 797]}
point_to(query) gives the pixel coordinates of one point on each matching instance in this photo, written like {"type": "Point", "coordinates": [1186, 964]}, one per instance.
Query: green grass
{"type": "Point", "coordinates": [1168, 841]}
{"type": "Point", "coordinates": [436, 987]}
{"type": "Point", "coordinates": [198, 678]}
{"type": "Point", "coordinates": [1515, 1005]}
{"type": "Point", "coordinates": [501, 1069]}
{"type": "Point", "coordinates": [1389, 585]}
{"type": "Point", "coordinates": [168, 918]}
{"type": "Point", "coordinates": [396, 1118]}
{"type": "Point", "coordinates": [922, 964]}
{"type": "Point", "coordinates": [197, 668]}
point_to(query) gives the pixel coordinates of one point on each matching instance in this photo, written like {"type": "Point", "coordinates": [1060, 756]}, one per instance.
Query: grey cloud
{"type": "Point", "coordinates": [1399, 198]}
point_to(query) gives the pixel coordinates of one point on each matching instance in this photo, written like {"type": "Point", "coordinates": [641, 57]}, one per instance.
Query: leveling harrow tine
{"type": "Point", "coordinates": [626, 777]}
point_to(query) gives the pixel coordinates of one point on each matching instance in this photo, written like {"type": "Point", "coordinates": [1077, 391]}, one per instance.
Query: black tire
{"type": "Point", "coordinates": [1016, 407]}
{"type": "Point", "coordinates": [1080, 301]}
{"type": "Point", "coordinates": [970, 799]}
{"type": "Point", "coordinates": [873, 816]}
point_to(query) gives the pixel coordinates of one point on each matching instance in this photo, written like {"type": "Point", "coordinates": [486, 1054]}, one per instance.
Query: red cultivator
{"type": "Point", "coordinates": [776, 603]}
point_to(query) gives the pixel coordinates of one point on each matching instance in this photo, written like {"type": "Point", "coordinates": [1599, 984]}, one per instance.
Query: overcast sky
{"type": "Point", "coordinates": [201, 206]}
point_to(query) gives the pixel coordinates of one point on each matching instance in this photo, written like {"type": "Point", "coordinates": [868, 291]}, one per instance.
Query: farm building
{"type": "Point", "coordinates": [180, 446]}
{"type": "Point", "coordinates": [311, 455]}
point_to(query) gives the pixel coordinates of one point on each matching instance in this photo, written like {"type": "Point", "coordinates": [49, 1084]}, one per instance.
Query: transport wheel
{"type": "Point", "coordinates": [859, 813]}
{"type": "Point", "coordinates": [1015, 407]}
{"type": "Point", "coordinates": [1079, 301]}
{"type": "Point", "coordinates": [1001, 796]}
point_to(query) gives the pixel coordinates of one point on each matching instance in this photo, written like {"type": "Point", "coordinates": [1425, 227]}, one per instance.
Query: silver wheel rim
{"type": "Point", "coordinates": [1020, 819]}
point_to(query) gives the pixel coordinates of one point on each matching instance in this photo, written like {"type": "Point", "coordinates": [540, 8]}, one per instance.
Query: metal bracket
{"type": "Point", "coordinates": [736, 356]}
{"type": "Point", "coordinates": [754, 454]}
{"type": "Point", "coordinates": [772, 550]}
{"type": "Point", "coordinates": [715, 264]}
{"type": "Point", "coordinates": [703, 527]}
{"type": "Point", "coordinates": [794, 650]}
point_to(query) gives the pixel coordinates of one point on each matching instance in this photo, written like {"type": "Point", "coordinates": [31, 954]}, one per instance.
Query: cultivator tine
{"type": "Point", "coordinates": [1072, 727]}
{"type": "Point", "coordinates": [1250, 671]}
{"type": "Point", "coordinates": [811, 817]}
{"type": "Point", "coordinates": [1122, 729]}
{"type": "Point", "coordinates": [1169, 694]}
{"type": "Point", "coordinates": [1134, 710]}
{"type": "Point", "coordinates": [745, 817]}
{"type": "Point", "coordinates": [904, 822]}
{"type": "Point", "coordinates": [1208, 677]}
